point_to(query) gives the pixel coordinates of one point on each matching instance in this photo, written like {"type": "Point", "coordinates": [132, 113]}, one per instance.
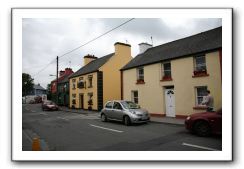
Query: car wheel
{"type": "Point", "coordinates": [202, 128]}
{"type": "Point", "coordinates": [103, 117]}
{"type": "Point", "coordinates": [127, 120]}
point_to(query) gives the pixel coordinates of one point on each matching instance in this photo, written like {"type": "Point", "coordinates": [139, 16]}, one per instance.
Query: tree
{"type": "Point", "coordinates": [27, 84]}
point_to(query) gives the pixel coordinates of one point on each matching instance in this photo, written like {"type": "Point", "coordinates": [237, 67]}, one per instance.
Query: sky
{"type": "Point", "coordinates": [45, 39]}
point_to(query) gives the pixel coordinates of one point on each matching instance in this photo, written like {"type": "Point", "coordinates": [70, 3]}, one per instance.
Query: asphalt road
{"type": "Point", "coordinates": [66, 131]}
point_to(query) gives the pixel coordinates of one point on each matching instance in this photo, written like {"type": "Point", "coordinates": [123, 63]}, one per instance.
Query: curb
{"type": "Point", "coordinates": [164, 122]}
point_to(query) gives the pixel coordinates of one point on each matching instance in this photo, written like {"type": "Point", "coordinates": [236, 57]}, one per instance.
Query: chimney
{"type": "Point", "coordinates": [88, 58]}
{"type": "Point", "coordinates": [61, 73]}
{"type": "Point", "coordinates": [68, 71]}
{"type": "Point", "coordinates": [122, 48]}
{"type": "Point", "coordinates": [143, 47]}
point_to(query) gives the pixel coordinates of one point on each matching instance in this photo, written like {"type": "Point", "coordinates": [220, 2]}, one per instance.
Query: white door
{"type": "Point", "coordinates": [170, 102]}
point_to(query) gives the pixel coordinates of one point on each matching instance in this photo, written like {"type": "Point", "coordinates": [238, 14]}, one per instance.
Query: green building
{"type": "Point", "coordinates": [63, 92]}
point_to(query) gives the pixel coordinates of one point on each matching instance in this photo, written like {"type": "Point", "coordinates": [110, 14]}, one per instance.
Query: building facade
{"type": "Point", "coordinates": [172, 79]}
{"type": "Point", "coordinates": [99, 80]}
{"type": "Point", "coordinates": [63, 92]}
{"type": "Point", "coordinates": [38, 90]}
{"type": "Point", "coordinates": [62, 75]}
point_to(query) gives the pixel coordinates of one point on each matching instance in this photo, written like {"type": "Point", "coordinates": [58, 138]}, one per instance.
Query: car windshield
{"type": "Point", "coordinates": [130, 105]}
{"type": "Point", "coordinates": [49, 103]}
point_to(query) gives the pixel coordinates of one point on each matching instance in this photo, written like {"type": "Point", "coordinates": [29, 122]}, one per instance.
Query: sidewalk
{"type": "Point", "coordinates": [168, 120]}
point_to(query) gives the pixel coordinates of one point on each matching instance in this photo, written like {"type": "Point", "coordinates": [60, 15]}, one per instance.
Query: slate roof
{"type": "Point", "coordinates": [66, 79]}
{"type": "Point", "coordinates": [38, 87]}
{"type": "Point", "coordinates": [205, 41]}
{"type": "Point", "coordinates": [92, 66]}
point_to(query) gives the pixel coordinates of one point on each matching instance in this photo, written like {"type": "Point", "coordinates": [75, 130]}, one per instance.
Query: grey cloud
{"type": "Point", "coordinates": [44, 39]}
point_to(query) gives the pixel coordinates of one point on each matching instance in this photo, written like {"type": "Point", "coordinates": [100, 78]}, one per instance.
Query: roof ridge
{"type": "Point", "coordinates": [181, 39]}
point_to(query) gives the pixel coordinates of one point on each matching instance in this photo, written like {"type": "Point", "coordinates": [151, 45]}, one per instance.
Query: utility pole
{"type": "Point", "coordinates": [57, 82]}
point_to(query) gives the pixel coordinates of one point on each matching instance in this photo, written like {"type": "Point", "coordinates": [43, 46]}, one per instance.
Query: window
{"type": "Point", "coordinates": [200, 63]}
{"type": "Point", "coordinates": [201, 92]}
{"type": "Point", "coordinates": [140, 75]}
{"type": "Point", "coordinates": [89, 96]}
{"type": "Point", "coordinates": [81, 83]}
{"type": "Point", "coordinates": [166, 71]}
{"type": "Point", "coordinates": [73, 83]}
{"type": "Point", "coordinates": [134, 96]}
{"type": "Point", "coordinates": [90, 81]}
{"type": "Point", "coordinates": [117, 106]}
{"type": "Point", "coordinates": [109, 105]}
{"type": "Point", "coordinates": [73, 98]}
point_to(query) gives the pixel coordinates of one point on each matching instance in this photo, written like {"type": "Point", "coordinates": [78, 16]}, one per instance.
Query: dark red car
{"type": "Point", "coordinates": [49, 105]}
{"type": "Point", "coordinates": [206, 123]}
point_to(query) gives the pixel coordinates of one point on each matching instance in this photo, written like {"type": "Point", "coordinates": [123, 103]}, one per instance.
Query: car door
{"type": "Point", "coordinates": [117, 111]}
{"type": "Point", "coordinates": [108, 109]}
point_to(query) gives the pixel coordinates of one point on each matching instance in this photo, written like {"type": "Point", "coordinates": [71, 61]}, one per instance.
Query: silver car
{"type": "Point", "coordinates": [125, 111]}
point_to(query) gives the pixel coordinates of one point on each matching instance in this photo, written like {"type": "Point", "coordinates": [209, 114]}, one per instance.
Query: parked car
{"type": "Point", "coordinates": [49, 105]}
{"type": "Point", "coordinates": [206, 123]}
{"type": "Point", "coordinates": [124, 111]}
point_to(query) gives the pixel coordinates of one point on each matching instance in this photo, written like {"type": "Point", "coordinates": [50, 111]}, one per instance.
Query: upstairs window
{"type": "Point", "coordinates": [166, 71]}
{"type": "Point", "coordinates": [81, 83]}
{"type": "Point", "coordinates": [90, 81]}
{"type": "Point", "coordinates": [73, 84]}
{"type": "Point", "coordinates": [200, 65]}
{"type": "Point", "coordinates": [140, 75]}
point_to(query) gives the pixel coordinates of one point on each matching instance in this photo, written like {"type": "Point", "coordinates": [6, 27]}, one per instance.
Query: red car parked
{"type": "Point", "coordinates": [206, 123]}
{"type": "Point", "coordinates": [49, 105]}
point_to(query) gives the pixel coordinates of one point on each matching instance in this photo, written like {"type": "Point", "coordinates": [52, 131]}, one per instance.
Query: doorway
{"type": "Point", "coordinates": [170, 102]}
{"type": "Point", "coordinates": [81, 101]}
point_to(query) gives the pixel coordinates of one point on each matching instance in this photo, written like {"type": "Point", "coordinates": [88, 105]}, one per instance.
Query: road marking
{"type": "Point", "coordinates": [44, 114]}
{"type": "Point", "coordinates": [33, 111]}
{"type": "Point", "coordinates": [106, 128]}
{"type": "Point", "coordinates": [201, 147]}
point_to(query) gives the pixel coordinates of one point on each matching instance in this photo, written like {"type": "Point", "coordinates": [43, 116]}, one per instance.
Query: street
{"type": "Point", "coordinates": [67, 131]}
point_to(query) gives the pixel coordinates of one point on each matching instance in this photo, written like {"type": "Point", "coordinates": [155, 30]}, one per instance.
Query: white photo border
{"type": "Point", "coordinates": [227, 137]}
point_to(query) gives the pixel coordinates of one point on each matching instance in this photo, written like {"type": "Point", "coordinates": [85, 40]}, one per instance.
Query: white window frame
{"type": "Point", "coordinates": [133, 96]}
{"type": "Point", "coordinates": [196, 94]}
{"type": "Point", "coordinates": [163, 71]}
{"type": "Point", "coordinates": [199, 65]}
{"type": "Point", "coordinates": [140, 75]}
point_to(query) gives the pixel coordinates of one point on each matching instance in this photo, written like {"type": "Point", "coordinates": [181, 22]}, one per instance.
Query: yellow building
{"type": "Point", "coordinates": [99, 80]}
{"type": "Point", "coordinates": [172, 79]}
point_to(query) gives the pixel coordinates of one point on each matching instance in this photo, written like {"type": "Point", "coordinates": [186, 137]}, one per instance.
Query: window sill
{"type": "Point", "coordinates": [200, 75]}
{"type": "Point", "coordinates": [140, 82]}
{"type": "Point", "coordinates": [166, 79]}
{"type": "Point", "coordinates": [200, 108]}
{"type": "Point", "coordinates": [89, 87]}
